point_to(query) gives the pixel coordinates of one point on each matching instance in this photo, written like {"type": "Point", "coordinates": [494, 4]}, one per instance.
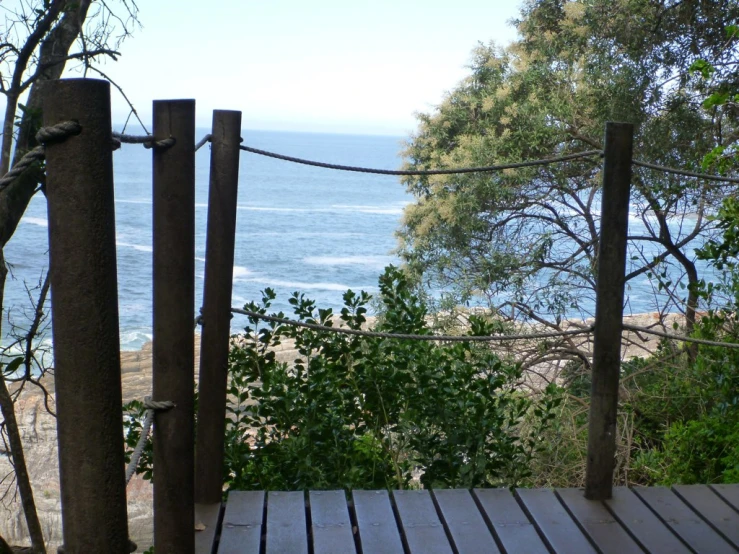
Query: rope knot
{"type": "Point", "coordinates": [161, 144]}
{"type": "Point", "coordinates": [158, 405]}
{"type": "Point", "coordinates": [58, 132]}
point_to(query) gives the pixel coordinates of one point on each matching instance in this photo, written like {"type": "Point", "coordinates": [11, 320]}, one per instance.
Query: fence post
{"type": "Point", "coordinates": [609, 303]}
{"type": "Point", "coordinates": [219, 261]}
{"type": "Point", "coordinates": [84, 299]}
{"type": "Point", "coordinates": [173, 349]}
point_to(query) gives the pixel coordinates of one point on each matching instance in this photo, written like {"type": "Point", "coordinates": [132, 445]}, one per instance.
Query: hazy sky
{"type": "Point", "coordinates": [355, 66]}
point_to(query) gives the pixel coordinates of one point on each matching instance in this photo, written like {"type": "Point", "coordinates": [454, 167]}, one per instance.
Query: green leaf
{"type": "Point", "coordinates": [13, 365]}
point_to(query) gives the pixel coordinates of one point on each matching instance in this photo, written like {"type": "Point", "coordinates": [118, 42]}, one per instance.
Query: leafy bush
{"type": "Point", "coordinates": [134, 414]}
{"type": "Point", "coordinates": [358, 412]}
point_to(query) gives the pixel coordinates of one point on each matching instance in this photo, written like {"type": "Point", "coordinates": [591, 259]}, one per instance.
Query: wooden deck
{"type": "Point", "coordinates": [688, 518]}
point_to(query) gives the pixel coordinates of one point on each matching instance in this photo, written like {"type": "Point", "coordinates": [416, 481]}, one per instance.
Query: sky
{"type": "Point", "coordinates": [343, 66]}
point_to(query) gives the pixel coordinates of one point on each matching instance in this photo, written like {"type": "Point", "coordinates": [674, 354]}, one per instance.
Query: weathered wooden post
{"type": "Point", "coordinates": [609, 304]}
{"type": "Point", "coordinates": [219, 261]}
{"type": "Point", "coordinates": [173, 349]}
{"type": "Point", "coordinates": [84, 299]}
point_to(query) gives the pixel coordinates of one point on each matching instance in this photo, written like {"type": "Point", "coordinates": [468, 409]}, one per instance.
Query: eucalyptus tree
{"type": "Point", "coordinates": [39, 39]}
{"type": "Point", "coordinates": [526, 240]}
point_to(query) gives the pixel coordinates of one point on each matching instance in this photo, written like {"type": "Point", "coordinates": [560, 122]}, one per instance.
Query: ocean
{"type": "Point", "coordinates": [302, 228]}
{"type": "Point", "coordinates": [298, 227]}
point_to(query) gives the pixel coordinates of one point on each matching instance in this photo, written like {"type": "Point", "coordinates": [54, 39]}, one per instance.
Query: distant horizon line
{"type": "Point", "coordinates": [363, 133]}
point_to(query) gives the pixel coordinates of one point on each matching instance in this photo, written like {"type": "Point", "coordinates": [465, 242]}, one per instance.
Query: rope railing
{"type": "Point", "coordinates": [407, 336]}
{"type": "Point", "coordinates": [681, 338]}
{"type": "Point", "coordinates": [469, 338]}
{"type": "Point", "coordinates": [203, 141]}
{"type": "Point", "coordinates": [68, 128]}
{"type": "Point", "coordinates": [146, 140]}
{"type": "Point", "coordinates": [685, 172]}
{"type": "Point", "coordinates": [152, 407]}
{"type": "Point", "coordinates": [420, 172]}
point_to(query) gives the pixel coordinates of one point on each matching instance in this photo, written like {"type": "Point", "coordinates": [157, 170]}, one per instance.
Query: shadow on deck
{"type": "Point", "coordinates": [684, 518]}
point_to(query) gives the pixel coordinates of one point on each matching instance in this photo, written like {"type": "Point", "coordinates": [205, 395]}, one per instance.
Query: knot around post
{"type": "Point", "coordinates": [158, 405]}
{"type": "Point", "coordinates": [57, 132]}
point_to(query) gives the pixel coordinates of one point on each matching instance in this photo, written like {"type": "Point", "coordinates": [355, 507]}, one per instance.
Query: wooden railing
{"type": "Point", "coordinates": [85, 317]}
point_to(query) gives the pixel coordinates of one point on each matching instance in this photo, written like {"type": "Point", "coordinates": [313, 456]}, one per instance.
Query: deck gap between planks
{"type": "Point", "coordinates": [579, 525]}
{"type": "Point", "coordinates": [489, 522]}
{"type": "Point", "coordinates": [444, 523]}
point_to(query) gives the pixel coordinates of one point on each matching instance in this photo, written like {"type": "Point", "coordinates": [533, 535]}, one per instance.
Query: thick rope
{"type": "Point", "coordinates": [545, 161]}
{"type": "Point", "coordinates": [200, 144]}
{"type": "Point", "coordinates": [686, 172]}
{"type": "Point", "coordinates": [30, 158]}
{"type": "Point", "coordinates": [147, 140]}
{"type": "Point", "coordinates": [402, 336]}
{"type": "Point", "coordinates": [470, 338]}
{"type": "Point", "coordinates": [152, 406]}
{"type": "Point", "coordinates": [679, 337]}
{"type": "Point", "coordinates": [57, 132]}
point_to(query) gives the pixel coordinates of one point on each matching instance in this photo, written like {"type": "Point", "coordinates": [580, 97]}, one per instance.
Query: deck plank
{"type": "Point", "coordinates": [598, 523]}
{"type": "Point", "coordinates": [730, 493]}
{"type": "Point", "coordinates": [712, 508]}
{"type": "Point", "coordinates": [515, 532]}
{"type": "Point", "coordinates": [241, 530]}
{"type": "Point", "coordinates": [378, 530]}
{"type": "Point", "coordinates": [641, 522]}
{"type": "Point", "coordinates": [207, 514]}
{"type": "Point", "coordinates": [286, 526]}
{"type": "Point", "coordinates": [331, 528]}
{"type": "Point", "coordinates": [683, 521]}
{"type": "Point", "coordinates": [555, 523]}
{"type": "Point", "coordinates": [469, 531]}
{"type": "Point", "coordinates": [423, 531]}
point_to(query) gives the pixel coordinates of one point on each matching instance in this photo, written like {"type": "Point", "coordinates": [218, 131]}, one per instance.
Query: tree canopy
{"type": "Point", "coordinates": [527, 239]}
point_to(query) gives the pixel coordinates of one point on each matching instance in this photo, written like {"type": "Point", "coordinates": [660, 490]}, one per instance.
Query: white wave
{"type": "Point", "coordinates": [40, 221]}
{"type": "Point", "coordinates": [240, 272]}
{"type": "Point", "coordinates": [372, 261]}
{"type": "Point", "coordinates": [297, 285]}
{"type": "Point", "coordinates": [134, 339]}
{"type": "Point", "coordinates": [139, 247]}
{"type": "Point", "coordinates": [363, 209]}
{"type": "Point", "coordinates": [199, 259]}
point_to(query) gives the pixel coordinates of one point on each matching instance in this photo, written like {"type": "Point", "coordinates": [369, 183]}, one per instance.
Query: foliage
{"type": "Point", "coordinates": [134, 414]}
{"type": "Point", "coordinates": [526, 239]}
{"type": "Point", "coordinates": [372, 413]}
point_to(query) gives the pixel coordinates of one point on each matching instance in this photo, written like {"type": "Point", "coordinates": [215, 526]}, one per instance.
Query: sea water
{"type": "Point", "coordinates": [299, 228]}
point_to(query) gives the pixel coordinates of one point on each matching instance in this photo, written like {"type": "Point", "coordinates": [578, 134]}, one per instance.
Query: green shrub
{"type": "Point", "coordinates": [355, 412]}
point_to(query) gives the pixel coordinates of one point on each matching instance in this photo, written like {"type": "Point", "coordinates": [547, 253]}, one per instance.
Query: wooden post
{"type": "Point", "coordinates": [173, 349]}
{"type": "Point", "coordinates": [219, 261]}
{"type": "Point", "coordinates": [84, 299]}
{"type": "Point", "coordinates": [609, 303]}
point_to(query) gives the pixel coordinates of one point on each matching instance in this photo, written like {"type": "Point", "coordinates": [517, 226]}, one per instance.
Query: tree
{"type": "Point", "coordinates": [527, 239]}
{"type": "Point", "coordinates": [38, 38]}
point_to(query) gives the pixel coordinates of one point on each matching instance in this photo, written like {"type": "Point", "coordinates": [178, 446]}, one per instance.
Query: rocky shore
{"type": "Point", "coordinates": [38, 430]}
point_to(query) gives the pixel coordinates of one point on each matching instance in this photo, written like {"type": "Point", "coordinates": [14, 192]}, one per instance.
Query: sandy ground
{"type": "Point", "coordinates": [38, 430]}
